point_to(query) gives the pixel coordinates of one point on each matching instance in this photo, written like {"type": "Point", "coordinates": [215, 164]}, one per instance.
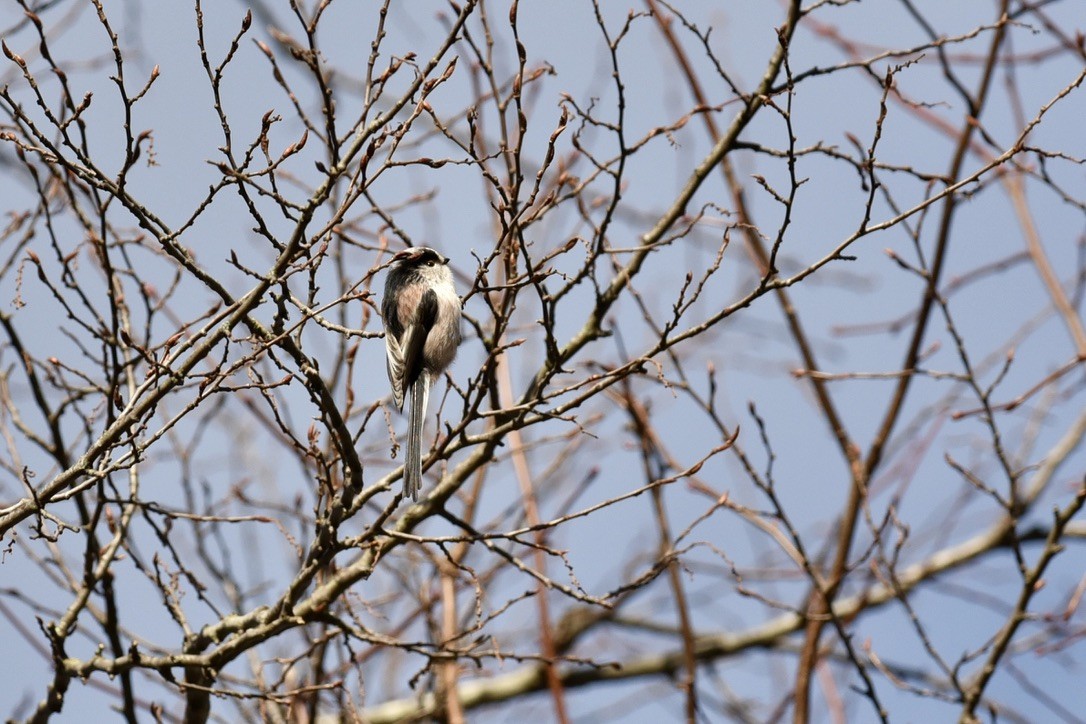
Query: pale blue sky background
{"type": "Point", "coordinates": [752, 351]}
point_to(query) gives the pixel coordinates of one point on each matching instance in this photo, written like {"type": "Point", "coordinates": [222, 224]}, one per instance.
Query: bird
{"type": "Point", "coordinates": [421, 313]}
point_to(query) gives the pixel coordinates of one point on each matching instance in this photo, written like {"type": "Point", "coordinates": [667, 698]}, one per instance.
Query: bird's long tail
{"type": "Point", "coordinates": [412, 471]}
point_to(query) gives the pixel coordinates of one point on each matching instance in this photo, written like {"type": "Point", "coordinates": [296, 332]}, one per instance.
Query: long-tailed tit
{"type": "Point", "coordinates": [422, 331]}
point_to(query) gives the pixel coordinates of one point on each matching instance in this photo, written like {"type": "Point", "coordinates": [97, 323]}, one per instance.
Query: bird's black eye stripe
{"type": "Point", "coordinates": [429, 258]}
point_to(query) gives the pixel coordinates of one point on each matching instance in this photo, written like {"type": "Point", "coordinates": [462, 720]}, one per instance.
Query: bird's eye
{"type": "Point", "coordinates": [429, 263]}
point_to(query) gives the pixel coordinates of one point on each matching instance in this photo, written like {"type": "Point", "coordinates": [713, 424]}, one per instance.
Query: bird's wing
{"type": "Point", "coordinates": [405, 354]}
{"type": "Point", "coordinates": [395, 364]}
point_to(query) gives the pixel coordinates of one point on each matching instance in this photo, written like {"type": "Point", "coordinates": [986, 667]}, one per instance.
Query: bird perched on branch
{"type": "Point", "coordinates": [421, 312]}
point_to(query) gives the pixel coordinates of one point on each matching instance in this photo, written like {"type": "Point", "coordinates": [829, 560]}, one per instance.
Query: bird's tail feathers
{"type": "Point", "coordinates": [412, 471]}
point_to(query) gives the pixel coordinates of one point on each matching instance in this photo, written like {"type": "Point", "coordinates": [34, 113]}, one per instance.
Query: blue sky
{"type": "Point", "coordinates": [752, 351]}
